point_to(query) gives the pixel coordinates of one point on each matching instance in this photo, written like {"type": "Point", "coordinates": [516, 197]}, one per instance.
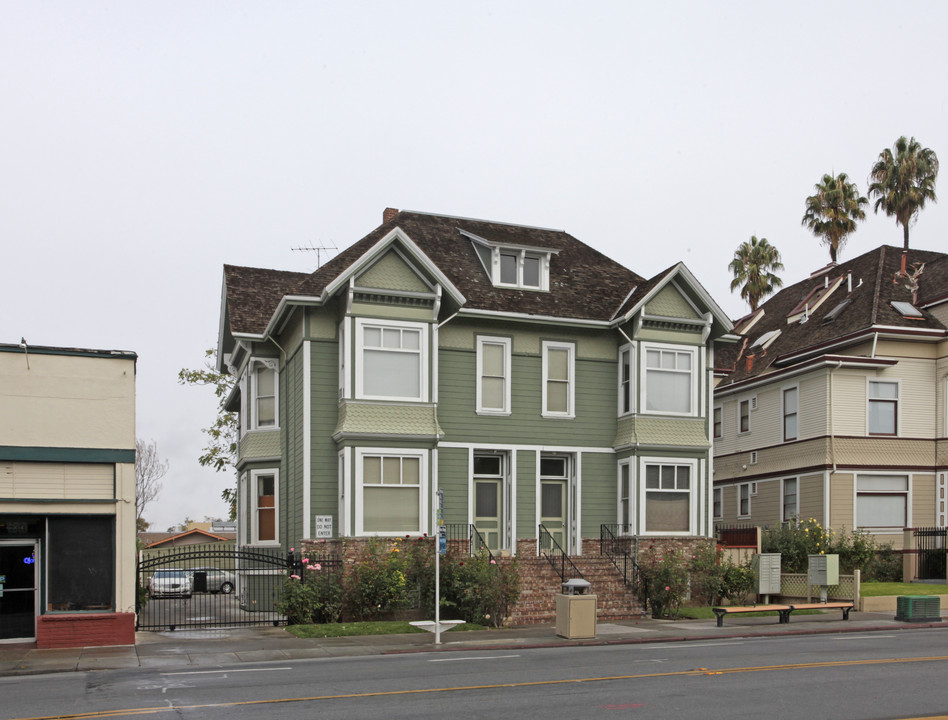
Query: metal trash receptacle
{"type": "Point", "coordinates": [575, 611]}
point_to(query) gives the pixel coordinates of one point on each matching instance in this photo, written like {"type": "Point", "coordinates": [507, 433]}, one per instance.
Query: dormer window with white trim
{"type": "Point", "coordinates": [511, 266]}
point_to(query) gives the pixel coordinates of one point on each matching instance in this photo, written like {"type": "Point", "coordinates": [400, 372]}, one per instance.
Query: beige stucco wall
{"type": "Point", "coordinates": [67, 401]}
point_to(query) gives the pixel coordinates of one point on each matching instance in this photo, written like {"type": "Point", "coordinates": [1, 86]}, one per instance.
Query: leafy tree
{"type": "Point", "coordinates": [221, 450]}
{"type": "Point", "coordinates": [833, 210]}
{"type": "Point", "coordinates": [753, 266]}
{"type": "Point", "coordinates": [902, 181]}
{"type": "Point", "coordinates": [149, 469]}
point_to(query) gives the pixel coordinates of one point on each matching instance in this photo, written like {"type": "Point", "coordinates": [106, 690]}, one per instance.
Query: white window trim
{"type": "Point", "coordinates": [740, 403]}
{"type": "Point", "coordinates": [521, 253]}
{"type": "Point", "coordinates": [627, 463]}
{"type": "Point", "coordinates": [898, 405]}
{"type": "Point", "coordinates": [750, 496]}
{"type": "Point", "coordinates": [361, 323]}
{"type": "Point", "coordinates": [783, 413]}
{"type": "Point", "coordinates": [695, 377]}
{"type": "Point", "coordinates": [508, 350]}
{"type": "Point", "coordinates": [571, 378]}
{"type": "Point", "coordinates": [692, 495]}
{"type": "Point", "coordinates": [252, 366]}
{"type": "Point", "coordinates": [715, 409]}
{"type": "Point", "coordinates": [423, 519]}
{"type": "Point", "coordinates": [884, 529]}
{"type": "Point", "coordinates": [630, 349]}
{"type": "Point", "coordinates": [254, 527]}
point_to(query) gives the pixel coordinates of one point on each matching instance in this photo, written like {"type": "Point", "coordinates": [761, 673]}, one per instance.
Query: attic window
{"type": "Point", "coordinates": [836, 311]}
{"type": "Point", "coordinates": [907, 310]}
{"type": "Point", "coordinates": [515, 267]}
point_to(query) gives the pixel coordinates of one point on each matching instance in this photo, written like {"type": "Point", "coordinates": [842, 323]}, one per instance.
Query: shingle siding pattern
{"type": "Point", "coordinates": [380, 419]}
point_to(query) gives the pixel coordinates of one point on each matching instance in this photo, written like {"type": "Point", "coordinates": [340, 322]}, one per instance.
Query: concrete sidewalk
{"type": "Point", "coordinates": [216, 648]}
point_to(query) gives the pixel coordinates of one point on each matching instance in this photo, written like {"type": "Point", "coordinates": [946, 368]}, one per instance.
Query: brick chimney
{"type": "Point", "coordinates": [389, 214]}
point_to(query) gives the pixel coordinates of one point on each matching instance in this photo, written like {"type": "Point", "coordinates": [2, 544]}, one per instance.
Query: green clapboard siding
{"type": "Point", "coordinates": [324, 379]}
{"type": "Point", "coordinates": [453, 479]}
{"type": "Point", "coordinates": [594, 424]}
{"type": "Point", "coordinates": [526, 494]}
{"type": "Point", "coordinates": [599, 492]}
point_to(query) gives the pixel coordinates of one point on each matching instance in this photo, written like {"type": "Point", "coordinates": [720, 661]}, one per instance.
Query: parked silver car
{"type": "Point", "coordinates": [170, 582]}
{"type": "Point", "coordinates": [218, 580]}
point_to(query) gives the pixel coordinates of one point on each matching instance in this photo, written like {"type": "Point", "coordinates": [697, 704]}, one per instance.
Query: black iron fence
{"type": "Point", "coordinates": [467, 538]}
{"type": "Point", "coordinates": [930, 548]}
{"type": "Point", "coordinates": [210, 587]}
{"type": "Point", "coordinates": [618, 544]}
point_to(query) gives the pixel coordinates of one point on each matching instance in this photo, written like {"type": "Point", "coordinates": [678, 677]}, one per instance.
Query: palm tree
{"type": "Point", "coordinates": [752, 266]}
{"type": "Point", "coordinates": [903, 180]}
{"type": "Point", "coordinates": [832, 212]}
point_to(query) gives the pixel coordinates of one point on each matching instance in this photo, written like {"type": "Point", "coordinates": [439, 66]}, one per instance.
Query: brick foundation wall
{"type": "Point", "coordinates": [85, 630]}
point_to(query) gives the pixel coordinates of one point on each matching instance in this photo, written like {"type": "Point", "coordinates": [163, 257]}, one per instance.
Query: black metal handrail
{"type": "Point", "coordinates": [555, 555]}
{"type": "Point", "coordinates": [464, 532]}
{"type": "Point", "coordinates": [617, 543]}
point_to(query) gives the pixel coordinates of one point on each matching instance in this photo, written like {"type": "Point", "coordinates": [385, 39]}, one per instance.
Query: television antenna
{"type": "Point", "coordinates": [318, 249]}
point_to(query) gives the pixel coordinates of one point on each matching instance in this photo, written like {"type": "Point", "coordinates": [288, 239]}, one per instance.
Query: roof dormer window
{"type": "Point", "coordinates": [511, 266]}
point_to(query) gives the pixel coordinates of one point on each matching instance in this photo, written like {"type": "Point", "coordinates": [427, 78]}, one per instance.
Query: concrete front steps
{"type": "Point", "coordinates": [540, 584]}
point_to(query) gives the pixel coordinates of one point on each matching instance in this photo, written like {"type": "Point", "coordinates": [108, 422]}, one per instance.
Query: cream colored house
{"type": "Point", "coordinates": [834, 405]}
{"type": "Point", "coordinates": [67, 496]}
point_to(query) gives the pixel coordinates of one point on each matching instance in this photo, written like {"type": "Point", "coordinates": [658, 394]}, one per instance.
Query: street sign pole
{"type": "Point", "coordinates": [439, 542]}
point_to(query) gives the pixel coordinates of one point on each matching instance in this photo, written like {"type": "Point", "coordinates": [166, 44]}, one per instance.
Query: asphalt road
{"type": "Point", "coordinates": [871, 676]}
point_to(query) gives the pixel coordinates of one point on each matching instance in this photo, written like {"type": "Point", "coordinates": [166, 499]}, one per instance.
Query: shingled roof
{"type": "Point", "coordinates": [874, 282]}
{"type": "Point", "coordinates": [584, 283]}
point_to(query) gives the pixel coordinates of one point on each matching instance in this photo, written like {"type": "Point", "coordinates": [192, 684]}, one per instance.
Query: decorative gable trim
{"type": "Point", "coordinates": [682, 275]}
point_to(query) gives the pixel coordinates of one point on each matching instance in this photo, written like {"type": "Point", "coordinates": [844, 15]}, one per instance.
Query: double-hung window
{"type": "Point", "coordinates": [625, 499]}
{"type": "Point", "coordinates": [790, 509]}
{"type": "Point", "coordinates": [264, 485]}
{"type": "Point", "coordinates": [626, 380]}
{"type": "Point", "coordinates": [263, 405]}
{"type": "Point", "coordinates": [391, 360]}
{"type": "Point", "coordinates": [718, 503]}
{"type": "Point", "coordinates": [559, 370]}
{"type": "Point", "coordinates": [883, 407]}
{"type": "Point", "coordinates": [744, 416]}
{"type": "Point", "coordinates": [882, 501]}
{"type": "Point", "coordinates": [718, 422]}
{"type": "Point", "coordinates": [668, 497]}
{"type": "Point", "coordinates": [744, 500]}
{"type": "Point", "coordinates": [391, 492]}
{"type": "Point", "coordinates": [671, 380]}
{"type": "Point", "coordinates": [790, 413]}
{"type": "Point", "coordinates": [493, 375]}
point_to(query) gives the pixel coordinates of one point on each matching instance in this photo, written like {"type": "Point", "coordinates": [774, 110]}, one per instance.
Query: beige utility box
{"type": "Point", "coordinates": [575, 611]}
{"type": "Point", "coordinates": [824, 569]}
{"type": "Point", "coordinates": [768, 573]}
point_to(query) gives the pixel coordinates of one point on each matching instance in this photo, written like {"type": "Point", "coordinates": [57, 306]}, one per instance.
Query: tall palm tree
{"type": "Point", "coordinates": [753, 266]}
{"type": "Point", "coordinates": [833, 210]}
{"type": "Point", "coordinates": [903, 180]}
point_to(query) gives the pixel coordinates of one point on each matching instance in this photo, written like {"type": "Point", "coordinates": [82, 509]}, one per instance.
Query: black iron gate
{"type": "Point", "coordinates": [210, 587]}
{"type": "Point", "coordinates": [930, 548]}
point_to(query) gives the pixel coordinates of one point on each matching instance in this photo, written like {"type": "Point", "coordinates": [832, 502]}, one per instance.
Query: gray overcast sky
{"type": "Point", "coordinates": [144, 145]}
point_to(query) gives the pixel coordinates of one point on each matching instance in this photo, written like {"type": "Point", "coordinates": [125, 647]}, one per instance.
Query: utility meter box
{"type": "Point", "coordinates": [824, 569]}
{"type": "Point", "coordinates": [768, 573]}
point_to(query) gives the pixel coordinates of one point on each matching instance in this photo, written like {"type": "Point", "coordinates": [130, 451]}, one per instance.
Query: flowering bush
{"type": "Point", "coordinates": [477, 588]}
{"type": "Point", "coordinates": [315, 597]}
{"type": "Point", "coordinates": [377, 584]}
{"type": "Point", "coordinates": [797, 540]}
{"type": "Point", "coordinates": [664, 582]}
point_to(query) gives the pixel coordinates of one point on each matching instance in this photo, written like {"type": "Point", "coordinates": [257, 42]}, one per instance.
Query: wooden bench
{"type": "Point", "coordinates": [844, 606]}
{"type": "Point", "coordinates": [783, 611]}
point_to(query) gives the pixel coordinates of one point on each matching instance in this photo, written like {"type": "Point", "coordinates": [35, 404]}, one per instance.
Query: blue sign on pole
{"type": "Point", "coordinates": [442, 540]}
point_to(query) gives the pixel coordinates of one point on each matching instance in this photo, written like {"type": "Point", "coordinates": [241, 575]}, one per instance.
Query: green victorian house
{"type": "Point", "coordinates": [540, 385]}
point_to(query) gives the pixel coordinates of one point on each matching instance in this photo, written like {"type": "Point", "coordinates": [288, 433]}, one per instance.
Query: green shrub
{"type": "Point", "coordinates": [739, 582]}
{"type": "Point", "coordinates": [796, 540]}
{"type": "Point", "coordinates": [478, 589]}
{"type": "Point", "coordinates": [314, 597]}
{"type": "Point", "coordinates": [664, 581]}
{"type": "Point", "coordinates": [708, 571]}
{"type": "Point", "coordinates": [885, 566]}
{"type": "Point", "coordinates": [377, 584]}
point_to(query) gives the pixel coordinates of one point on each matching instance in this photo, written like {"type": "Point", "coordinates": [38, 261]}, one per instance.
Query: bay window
{"type": "Point", "coordinates": [671, 379]}
{"type": "Point", "coordinates": [626, 380]}
{"type": "Point", "coordinates": [668, 497]}
{"type": "Point", "coordinates": [391, 360]}
{"type": "Point", "coordinates": [264, 528]}
{"type": "Point", "coordinates": [390, 488]}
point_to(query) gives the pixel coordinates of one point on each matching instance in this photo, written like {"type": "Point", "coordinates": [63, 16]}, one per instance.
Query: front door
{"type": "Point", "coordinates": [17, 590]}
{"type": "Point", "coordinates": [489, 476]}
{"type": "Point", "coordinates": [554, 503]}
